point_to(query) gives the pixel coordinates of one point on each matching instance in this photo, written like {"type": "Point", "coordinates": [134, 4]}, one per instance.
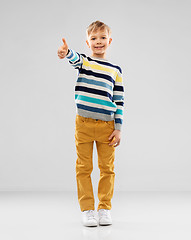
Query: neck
{"type": "Point", "coordinates": [102, 56]}
{"type": "Point", "coordinates": [98, 57]}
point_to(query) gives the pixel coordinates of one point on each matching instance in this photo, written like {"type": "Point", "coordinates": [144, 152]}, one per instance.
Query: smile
{"type": "Point", "coordinates": [99, 47]}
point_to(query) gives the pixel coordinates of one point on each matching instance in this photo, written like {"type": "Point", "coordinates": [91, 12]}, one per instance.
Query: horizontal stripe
{"type": "Point", "coordinates": [118, 78]}
{"type": "Point", "coordinates": [95, 105]}
{"type": "Point", "coordinates": [103, 63]}
{"type": "Point", "coordinates": [100, 67]}
{"type": "Point", "coordinates": [119, 111]}
{"type": "Point", "coordinates": [118, 97]}
{"type": "Point", "coordinates": [99, 75]}
{"type": "Point", "coordinates": [99, 88]}
{"type": "Point", "coordinates": [95, 100]}
{"type": "Point", "coordinates": [94, 82]}
{"type": "Point", "coordinates": [92, 109]}
{"type": "Point", "coordinates": [95, 115]}
{"type": "Point", "coordinates": [118, 88]}
{"type": "Point", "coordinates": [92, 95]}
{"type": "Point", "coordinates": [118, 120]}
{"type": "Point", "coordinates": [120, 103]}
{"type": "Point", "coordinates": [94, 91]}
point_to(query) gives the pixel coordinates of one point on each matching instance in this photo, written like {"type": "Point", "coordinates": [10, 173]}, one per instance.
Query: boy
{"type": "Point", "coordinates": [99, 97]}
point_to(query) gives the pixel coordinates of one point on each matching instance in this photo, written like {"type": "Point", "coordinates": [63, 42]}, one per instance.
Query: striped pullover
{"type": "Point", "coordinates": [99, 90]}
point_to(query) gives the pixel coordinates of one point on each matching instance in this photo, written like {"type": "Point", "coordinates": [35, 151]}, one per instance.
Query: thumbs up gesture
{"type": "Point", "coordinates": [62, 51]}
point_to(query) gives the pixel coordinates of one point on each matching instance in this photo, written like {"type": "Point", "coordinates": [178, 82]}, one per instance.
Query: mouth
{"type": "Point", "coordinates": [100, 47]}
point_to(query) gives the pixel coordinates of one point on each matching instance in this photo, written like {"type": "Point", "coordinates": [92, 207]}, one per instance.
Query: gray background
{"type": "Point", "coordinates": [151, 43]}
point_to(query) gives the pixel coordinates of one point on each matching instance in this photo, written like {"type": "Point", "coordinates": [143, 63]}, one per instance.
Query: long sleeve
{"type": "Point", "coordinates": [75, 59]}
{"type": "Point", "coordinates": [118, 98]}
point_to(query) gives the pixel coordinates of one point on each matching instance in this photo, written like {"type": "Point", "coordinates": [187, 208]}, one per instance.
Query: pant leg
{"type": "Point", "coordinates": [106, 156]}
{"type": "Point", "coordinates": [84, 164]}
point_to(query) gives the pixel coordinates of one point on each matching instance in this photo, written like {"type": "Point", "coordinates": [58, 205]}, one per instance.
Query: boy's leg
{"type": "Point", "coordinates": [84, 165]}
{"type": "Point", "coordinates": [106, 156]}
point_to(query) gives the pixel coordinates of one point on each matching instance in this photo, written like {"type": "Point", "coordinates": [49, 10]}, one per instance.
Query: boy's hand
{"type": "Point", "coordinates": [115, 138]}
{"type": "Point", "coordinates": [62, 51]}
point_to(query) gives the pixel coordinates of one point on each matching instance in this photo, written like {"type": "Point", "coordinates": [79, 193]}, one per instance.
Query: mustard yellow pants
{"type": "Point", "coordinates": [88, 130]}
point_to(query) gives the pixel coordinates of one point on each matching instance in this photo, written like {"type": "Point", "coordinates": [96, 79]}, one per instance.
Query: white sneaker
{"type": "Point", "coordinates": [89, 218]}
{"type": "Point", "coordinates": [104, 217]}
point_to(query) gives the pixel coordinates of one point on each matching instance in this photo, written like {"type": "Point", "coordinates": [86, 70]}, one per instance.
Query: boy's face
{"type": "Point", "coordinates": [98, 42]}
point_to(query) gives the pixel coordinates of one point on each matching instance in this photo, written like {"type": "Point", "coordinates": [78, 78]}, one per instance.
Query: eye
{"type": "Point", "coordinates": [103, 37]}
{"type": "Point", "coordinates": [93, 38]}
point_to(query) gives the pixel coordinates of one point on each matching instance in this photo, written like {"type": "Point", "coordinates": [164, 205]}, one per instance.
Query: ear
{"type": "Point", "coordinates": [110, 40]}
{"type": "Point", "coordinates": [87, 43]}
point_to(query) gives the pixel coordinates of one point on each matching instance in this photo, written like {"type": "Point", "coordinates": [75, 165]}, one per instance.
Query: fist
{"type": "Point", "coordinates": [62, 51]}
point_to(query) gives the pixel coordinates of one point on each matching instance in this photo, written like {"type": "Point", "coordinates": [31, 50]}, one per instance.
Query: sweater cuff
{"type": "Point", "coordinates": [118, 126]}
{"type": "Point", "coordinates": [68, 53]}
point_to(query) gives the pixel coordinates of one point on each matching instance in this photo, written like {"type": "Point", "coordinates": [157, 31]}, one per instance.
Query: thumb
{"type": "Point", "coordinates": [64, 41]}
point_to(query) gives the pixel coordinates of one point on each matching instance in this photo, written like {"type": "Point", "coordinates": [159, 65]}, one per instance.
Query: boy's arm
{"type": "Point", "coordinates": [118, 98]}
{"type": "Point", "coordinates": [75, 59]}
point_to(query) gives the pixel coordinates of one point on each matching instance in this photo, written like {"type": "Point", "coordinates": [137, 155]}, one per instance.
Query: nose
{"type": "Point", "coordinates": [98, 41]}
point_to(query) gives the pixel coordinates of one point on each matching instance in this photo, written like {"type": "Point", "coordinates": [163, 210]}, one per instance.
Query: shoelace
{"type": "Point", "coordinates": [90, 214]}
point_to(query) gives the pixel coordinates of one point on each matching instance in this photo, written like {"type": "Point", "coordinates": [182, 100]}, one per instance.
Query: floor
{"type": "Point", "coordinates": [56, 216]}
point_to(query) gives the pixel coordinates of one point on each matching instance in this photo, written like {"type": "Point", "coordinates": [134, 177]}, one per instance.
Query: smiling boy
{"type": "Point", "coordinates": [98, 42]}
{"type": "Point", "coordinates": [99, 97]}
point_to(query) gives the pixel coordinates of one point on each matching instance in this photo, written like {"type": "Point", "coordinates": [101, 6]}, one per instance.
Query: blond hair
{"type": "Point", "coordinates": [97, 25]}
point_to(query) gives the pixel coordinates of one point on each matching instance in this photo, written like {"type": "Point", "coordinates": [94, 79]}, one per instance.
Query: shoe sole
{"type": "Point", "coordinates": [105, 224]}
{"type": "Point", "coordinates": [90, 225]}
